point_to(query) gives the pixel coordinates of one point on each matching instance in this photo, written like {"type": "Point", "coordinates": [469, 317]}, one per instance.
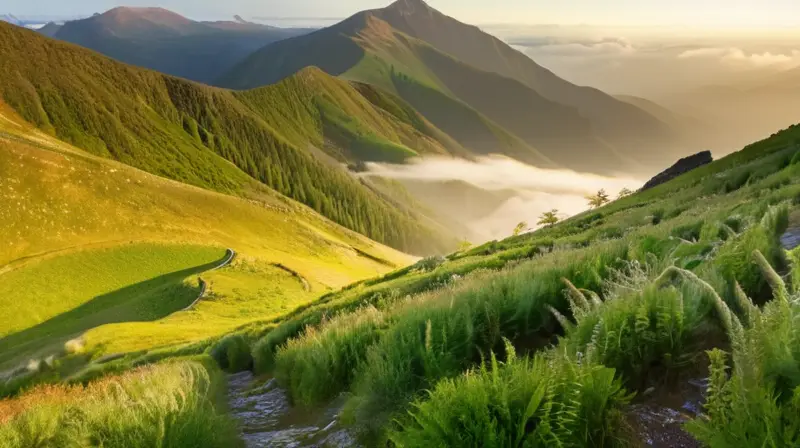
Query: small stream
{"type": "Point", "coordinates": [267, 419]}
{"type": "Point", "coordinates": [658, 419]}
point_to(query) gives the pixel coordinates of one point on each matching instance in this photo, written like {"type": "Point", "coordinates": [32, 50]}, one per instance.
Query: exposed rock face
{"type": "Point", "coordinates": [682, 166]}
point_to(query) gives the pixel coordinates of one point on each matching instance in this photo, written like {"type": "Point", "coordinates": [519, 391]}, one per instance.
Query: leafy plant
{"type": "Point", "coordinates": [548, 219]}
{"type": "Point", "coordinates": [599, 199]}
{"type": "Point", "coordinates": [549, 400]}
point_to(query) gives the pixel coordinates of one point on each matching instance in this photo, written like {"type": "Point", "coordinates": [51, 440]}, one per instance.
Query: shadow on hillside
{"type": "Point", "coordinates": [145, 301]}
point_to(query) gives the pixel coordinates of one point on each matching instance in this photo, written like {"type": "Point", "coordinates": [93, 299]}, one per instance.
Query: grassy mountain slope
{"type": "Point", "coordinates": [671, 273]}
{"type": "Point", "coordinates": [380, 46]}
{"type": "Point", "coordinates": [192, 133]}
{"type": "Point", "coordinates": [317, 109]}
{"type": "Point", "coordinates": [94, 245]}
{"type": "Point", "coordinates": [337, 51]}
{"type": "Point", "coordinates": [167, 42]}
{"type": "Point", "coordinates": [622, 124]}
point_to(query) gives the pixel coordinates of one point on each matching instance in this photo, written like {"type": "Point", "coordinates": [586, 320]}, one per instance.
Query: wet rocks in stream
{"type": "Point", "coordinates": [267, 419]}
{"type": "Point", "coordinates": [659, 418]}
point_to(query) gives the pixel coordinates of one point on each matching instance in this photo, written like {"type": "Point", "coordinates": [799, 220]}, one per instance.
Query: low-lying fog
{"type": "Point", "coordinates": [520, 192]}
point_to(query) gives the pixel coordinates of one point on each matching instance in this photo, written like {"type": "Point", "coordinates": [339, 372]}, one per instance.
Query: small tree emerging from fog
{"type": "Point", "coordinates": [464, 246]}
{"type": "Point", "coordinates": [548, 218]}
{"type": "Point", "coordinates": [521, 227]}
{"type": "Point", "coordinates": [624, 192]}
{"type": "Point", "coordinates": [599, 199]}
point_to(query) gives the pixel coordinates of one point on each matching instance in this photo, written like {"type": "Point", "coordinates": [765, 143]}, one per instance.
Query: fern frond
{"type": "Point", "coordinates": [775, 281]}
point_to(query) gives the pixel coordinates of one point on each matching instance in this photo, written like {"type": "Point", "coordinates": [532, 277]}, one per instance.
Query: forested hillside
{"type": "Point", "coordinates": [189, 132]}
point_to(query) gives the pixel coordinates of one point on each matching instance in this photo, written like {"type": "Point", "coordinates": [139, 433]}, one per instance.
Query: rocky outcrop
{"type": "Point", "coordinates": [682, 166]}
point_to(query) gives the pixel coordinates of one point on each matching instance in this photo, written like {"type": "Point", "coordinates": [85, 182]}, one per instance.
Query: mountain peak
{"type": "Point", "coordinates": [159, 16]}
{"type": "Point", "coordinates": [410, 7]}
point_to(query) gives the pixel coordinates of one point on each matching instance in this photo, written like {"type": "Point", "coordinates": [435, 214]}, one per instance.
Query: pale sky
{"type": "Point", "coordinates": [702, 13]}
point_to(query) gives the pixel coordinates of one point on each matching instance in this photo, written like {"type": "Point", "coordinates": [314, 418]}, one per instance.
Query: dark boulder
{"type": "Point", "coordinates": [682, 166]}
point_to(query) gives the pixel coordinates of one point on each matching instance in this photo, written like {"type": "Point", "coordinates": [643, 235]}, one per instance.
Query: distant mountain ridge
{"type": "Point", "coordinates": [10, 18]}
{"type": "Point", "coordinates": [165, 41]}
{"type": "Point", "coordinates": [575, 127]}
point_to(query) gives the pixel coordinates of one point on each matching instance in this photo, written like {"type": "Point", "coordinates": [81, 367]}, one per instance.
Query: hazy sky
{"type": "Point", "coordinates": [704, 13]}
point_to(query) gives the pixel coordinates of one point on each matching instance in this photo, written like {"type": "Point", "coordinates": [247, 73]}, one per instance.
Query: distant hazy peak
{"type": "Point", "coordinates": [159, 16]}
{"type": "Point", "coordinates": [410, 7]}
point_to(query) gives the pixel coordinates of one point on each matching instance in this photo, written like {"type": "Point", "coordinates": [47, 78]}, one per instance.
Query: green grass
{"type": "Point", "coordinates": [544, 401]}
{"type": "Point", "coordinates": [754, 393]}
{"type": "Point", "coordinates": [316, 364]}
{"type": "Point", "coordinates": [125, 411]}
{"type": "Point", "coordinates": [84, 260]}
{"type": "Point", "coordinates": [648, 330]}
{"type": "Point", "coordinates": [58, 299]}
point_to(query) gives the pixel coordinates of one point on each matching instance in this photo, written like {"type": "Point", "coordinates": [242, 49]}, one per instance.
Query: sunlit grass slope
{"type": "Point", "coordinates": [224, 141]}
{"type": "Point", "coordinates": [89, 242]}
{"type": "Point", "coordinates": [169, 405]}
{"type": "Point", "coordinates": [56, 299]}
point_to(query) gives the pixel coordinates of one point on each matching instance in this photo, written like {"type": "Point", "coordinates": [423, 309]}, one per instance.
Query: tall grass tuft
{"type": "Point", "coordinates": [757, 402]}
{"type": "Point", "coordinates": [639, 332]}
{"type": "Point", "coordinates": [232, 353]}
{"type": "Point", "coordinates": [322, 361]}
{"type": "Point", "coordinates": [440, 335]}
{"type": "Point", "coordinates": [547, 400]}
{"type": "Point", "coordinates": [165, 405]}
{"type": "Point", "coordinates": [735, 258]}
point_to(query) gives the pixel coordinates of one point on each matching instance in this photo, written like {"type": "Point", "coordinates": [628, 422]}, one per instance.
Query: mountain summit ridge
{"type": "Point", "coordinates": [426, 57]}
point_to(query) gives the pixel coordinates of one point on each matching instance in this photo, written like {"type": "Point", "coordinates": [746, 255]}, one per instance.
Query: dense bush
{"type": "Point", "coordinates": [549, 400]}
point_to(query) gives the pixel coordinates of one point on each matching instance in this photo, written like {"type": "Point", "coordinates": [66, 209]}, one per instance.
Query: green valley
{"type": "Point", "coordinates": [286, 259]}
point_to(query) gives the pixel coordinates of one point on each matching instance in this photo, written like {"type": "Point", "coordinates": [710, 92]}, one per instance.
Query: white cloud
{"type": "Point", "coordinates": [577, 48]}
{"type": "Point", "coordinates": [737, 56]}
{"type": "Point", "coordinates": [536, 190]}
{"type": "Point", "coordinates": [502, 173]}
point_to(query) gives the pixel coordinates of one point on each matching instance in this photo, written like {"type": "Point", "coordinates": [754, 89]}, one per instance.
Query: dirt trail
{"type": "Point", "coordinates": [267, 420]}
{"type": "Point", "coordinates": [203, 285]}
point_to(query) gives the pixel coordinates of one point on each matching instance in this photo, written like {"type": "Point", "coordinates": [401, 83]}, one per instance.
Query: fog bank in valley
{"type": "Point", "coordinates": [529, 191]}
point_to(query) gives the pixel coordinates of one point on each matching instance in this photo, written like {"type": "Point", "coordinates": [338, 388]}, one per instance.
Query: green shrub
{"type": "Point", "coordinates": [639, 332]}
{"type": "Point", "coordinates": [320, 363]}
{"type": "Point", "coordinates": [689, 232]}
{"type": "Point", "coordinates": [232, 353]}
{"type": "Point", "coordinates": [263, 352]}
{"type": "Point", "coordinates": [546, 401]}
{"type": "Point", "coordinates": [443, 334]}
{"type": "Point", "coordinates": [657, 216]}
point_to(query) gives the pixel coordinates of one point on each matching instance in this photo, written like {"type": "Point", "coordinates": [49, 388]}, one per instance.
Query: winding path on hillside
{"type": "Point", "coordinates": [230, 254]}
